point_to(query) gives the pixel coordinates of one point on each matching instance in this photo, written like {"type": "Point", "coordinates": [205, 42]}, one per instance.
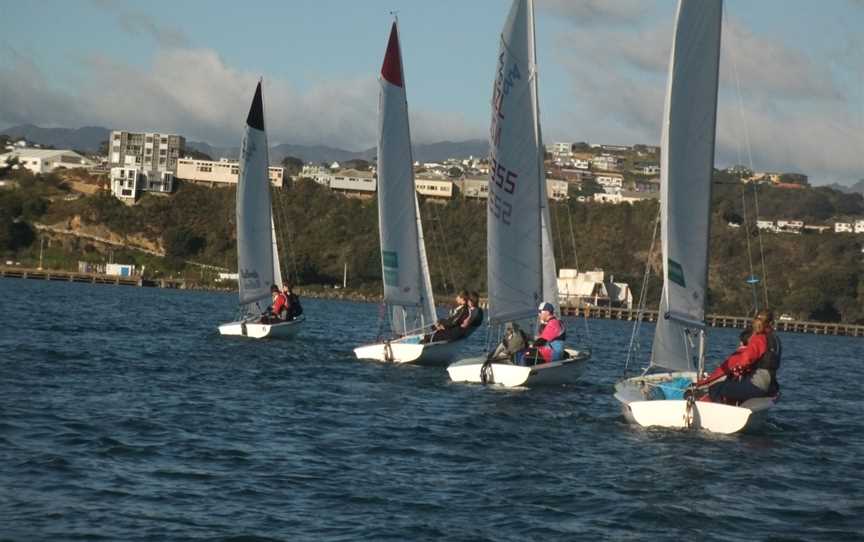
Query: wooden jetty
{"type": "Point", "coordinates": [720, 320]}
{"type": "Point", "coordinates": [91, 278]}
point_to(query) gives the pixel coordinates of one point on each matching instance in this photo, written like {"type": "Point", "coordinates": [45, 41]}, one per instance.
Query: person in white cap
{"type": "Point", "coordinates": [550, 335]}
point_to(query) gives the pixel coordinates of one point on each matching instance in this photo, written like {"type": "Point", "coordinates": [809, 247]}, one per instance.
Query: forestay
{"type": "Point", "coordinates": [407, 285]}
{"type": "Point", "coordinates": [256, 245]}
{"type": "Point", "coordinates": [518, 245]}
{"type": "Point", "coordinates": [685, 183]}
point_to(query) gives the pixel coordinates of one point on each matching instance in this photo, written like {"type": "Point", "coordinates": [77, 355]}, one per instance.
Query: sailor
{"type": "Point", "coordinates": [751, 371]}
{"type": "Point", "coordinates": [450, 328]}
{"type": "Point", "coordinates": [550, 335]}
{"type": "Point", "coordinates": [292, 301]}
{"type": "Point", "coordinates": [475, 313]}
{"type": "Point", "coordinates": [278, 311]}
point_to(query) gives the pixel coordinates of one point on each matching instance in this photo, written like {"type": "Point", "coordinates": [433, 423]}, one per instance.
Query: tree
{"type": "Point", "coordinates": [292, 166]}
{"type": "Point", "coordinates": [454, 172]}
{"type": "Point", "coordinates": [197, 155]}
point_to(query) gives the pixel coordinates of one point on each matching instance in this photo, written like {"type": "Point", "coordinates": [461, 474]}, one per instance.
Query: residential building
{"type": "Point", "coordinates": [790, 226]}
{"type": "Point", "coordinates": [220, 173]}
{"type": "Point", "coordinates": [591, 288]}
{"type": "Point", "coordinates": [154, 155]}
{"type": "Point", "coordinates": [128, 182]}
{"type": "Point", "coordinates": [46, 160]}
{"type": "Point", "coordinates": [354, 183]}
{"type": "Point", "coordinates": [605, 162]}
{"type": "Point", "coordinates": [319, 174]}
{"type": "Point", "coordinates": [611, 182]}
{"type": "Point", "coordinates": [557, 190]}
{"type": "Point", "coordinates": [434, 188]}
{"type": "Point", "coordinates": [809, 228]}
{"type": "Point", "coordinates": [559, 149]}
{"type": "Point", "coordinates": [767, 225]}
{"type": "Point", "coordinates": [650, 169]}
{"type": "Point", "coordinates": [844, 227]}
{"type": "Point", "coordinates": [474, 187]}
{"type": "Point", "coordinates": [149, 150]}
{"type": "Point", "coordinates": [859, 226]}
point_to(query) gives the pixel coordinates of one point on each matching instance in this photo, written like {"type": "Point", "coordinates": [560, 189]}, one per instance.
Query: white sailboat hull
{"type": "Point", "coordinates": [566, 371]}
{"type": "Point", "coordinates": [633, 394]}
{"type": "Point", "coordinates": [408, 350]}
{"type": "Point", "coordinates": [252, 329]}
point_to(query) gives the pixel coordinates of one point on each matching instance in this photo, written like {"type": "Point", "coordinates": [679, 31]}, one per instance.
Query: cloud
{"type": "Point", "coordinates": [590, 12]}
{"type": "Point", "coordinates": [140, 23]}
{"type": "Point", "coordinates": [195, 93]}
{"type": "Point", "coordinates": [799, 116]}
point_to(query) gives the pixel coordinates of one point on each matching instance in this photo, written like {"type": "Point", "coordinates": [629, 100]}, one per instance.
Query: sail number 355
{"type": "Point", "coordinates": [505, 181]}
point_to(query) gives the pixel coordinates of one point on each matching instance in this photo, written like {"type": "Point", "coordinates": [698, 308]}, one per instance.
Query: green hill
{"type": "Point", "coordinates": [811, 276]}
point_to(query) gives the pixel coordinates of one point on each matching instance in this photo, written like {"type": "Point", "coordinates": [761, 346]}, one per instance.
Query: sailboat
{"type": "Point", "coordinates": [687, 149]}
{"type": "Point", "coordinates": [520, 260]}
{"type": "Point", "coordinates": [410, 305]}
{"type": "Point", "coordinates": [257, 250]}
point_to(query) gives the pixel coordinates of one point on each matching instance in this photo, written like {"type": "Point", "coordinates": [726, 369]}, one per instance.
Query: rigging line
{"type": "Point", "coordinates": [749, 156]}
{"type": "Point", "coordinates": [747, 237]}
{"type": "Point", "coordinates": [761, 249]}
{"type": "Point", "coordinates": [554, 215]}
{"type": "Point", "coordinates": [281, 212]}
{"type": "Point", "coordinates": [448, 267]}
{"type": "Point", "coordinates": [634, 345]}
{"type": "Point", "coordinates": [572, 238]}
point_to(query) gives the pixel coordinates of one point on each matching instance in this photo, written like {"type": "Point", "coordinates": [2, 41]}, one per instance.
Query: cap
{"type": "Point", "coordinates": [546, 307]}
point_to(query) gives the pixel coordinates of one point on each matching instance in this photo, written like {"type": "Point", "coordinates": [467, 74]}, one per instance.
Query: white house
{"type": "Point", "coordinates": [843, 227]}
{"type": "Point", "coordinates": [46, 160]}
{"type": "Point", "coordinates": [127, 182]}
{"type": "Point", "coordinates": [474, 187]}
{"type": "Point", "coordinates": [790, 226]}
{"type": "Point", "coordinates": [651, 169]}
{"type": "Point", "coordinates": [591, 288]}
{"type": "Point", "coordinates": [606, 162]}
{"type": "Point", "coordinates": [434, 188]}
{"type": "Point", "coordinates": [859, 226]}
{"type": "Point", "coordinates": [611, 182]}
{"type": "Point", "coordinates": [353, 182]}
{"type": "Point", "coordinates": [222, 173]}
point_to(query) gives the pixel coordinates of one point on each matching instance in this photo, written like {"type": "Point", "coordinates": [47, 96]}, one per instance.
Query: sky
{"type": "Point", "coordinates": [792, 72]}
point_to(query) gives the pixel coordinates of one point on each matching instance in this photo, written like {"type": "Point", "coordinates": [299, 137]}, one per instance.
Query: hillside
{"type": "Point", "coordinates": [812, 276]}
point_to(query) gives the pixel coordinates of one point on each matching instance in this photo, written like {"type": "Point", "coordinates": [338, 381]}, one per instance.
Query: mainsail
{"type": "Point", "coordinates": [685, 183]}
{"type": "Point", "coordinates": [519, 255]}
{"type": "Point", "coordinates": [407, 285]}
{"type": "Point", "coordinates": [256, 244]}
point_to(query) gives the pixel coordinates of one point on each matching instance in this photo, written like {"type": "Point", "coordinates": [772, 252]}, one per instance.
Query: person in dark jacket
{"type": "Point", "coordinates": [450, 328]}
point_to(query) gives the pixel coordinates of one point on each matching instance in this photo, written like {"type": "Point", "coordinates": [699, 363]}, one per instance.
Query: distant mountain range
{"type": "Point", "coordinates": [855, 188]}
{"type": "Point", "coordinates": [89, 138]}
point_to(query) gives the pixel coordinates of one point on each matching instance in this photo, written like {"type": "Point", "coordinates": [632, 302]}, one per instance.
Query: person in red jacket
{"type": "Point", "coordinates": [750, 371]}
{"type": "Point", "coordinates": [278, 311]}
{"type": "Point", "coordinates": [550, 339]}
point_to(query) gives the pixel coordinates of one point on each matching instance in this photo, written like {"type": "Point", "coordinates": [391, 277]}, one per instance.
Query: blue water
{"type": "Point", "coordinates": [124, 416]}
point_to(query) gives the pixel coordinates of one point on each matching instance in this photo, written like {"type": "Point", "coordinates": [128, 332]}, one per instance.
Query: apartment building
{"type": "Point", "coordinates": [154, 155]}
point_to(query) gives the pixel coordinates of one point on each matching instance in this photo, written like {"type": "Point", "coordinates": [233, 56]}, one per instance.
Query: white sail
{"type": "Point", "coordinates": [407, 286]}
{"type": "Point", "coordinates": [514, 224]}
{"type": "Point", "coordinates": [550, 273]}
{"type": "Point", "coordinates": [277, 271]}
{"type": "Point", "coordinates": [254, 216]}
{"type": "Point", "coordinates": [687, 162]}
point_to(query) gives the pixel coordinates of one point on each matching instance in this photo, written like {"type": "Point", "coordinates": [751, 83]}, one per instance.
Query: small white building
{"type": "Point", "coordinates": [222, 173]}
{"type": "Point", "coordinates": [474, 187]}
{"type": "Point", "coordinates": [611, 182]}
{"type": "Point", "coordinates": [319, 174]}
{"type": "Point", "coordinates": [650, 169]}
{"type": "Point", "coordinates": [46, 160]}
{"type": "Point", "coordinates": [590, 288]}
{"type": "Point", "coordinates": [434, 188]}
{"type": "Point", "coordinates": [353, 182]}
{"type": "Point", "coordinates": [557, 190]}
{"type": "Point", "coordinates": [560, 149]}
{"type": "Point", "coordinates": [127, 182]}
{"type": "Point", "coordinates": [844, 227]}
{"type": "Point", "coordinates": [859, 226]}
{"type": "Point", "coordinates": [605, 162]}
{"type": "Point", "coordinates": [767, 225]}
{"type": "Point", "coordinates": [790, 226]}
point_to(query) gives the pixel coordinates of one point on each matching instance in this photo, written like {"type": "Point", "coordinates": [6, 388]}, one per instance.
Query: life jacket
{"type": "Point", "coordinates": [283, 311]}
{"type": "Point", "coordinates": [561, 336]}
{"type": "Point", "coordinates": [296, 307]}
{"type": "Point", "coordinates": [770, 360]}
